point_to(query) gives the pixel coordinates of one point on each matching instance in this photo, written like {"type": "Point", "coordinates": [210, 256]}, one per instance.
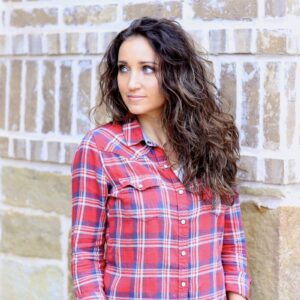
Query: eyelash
{"type": "Point", "coordinates": [120, 67]}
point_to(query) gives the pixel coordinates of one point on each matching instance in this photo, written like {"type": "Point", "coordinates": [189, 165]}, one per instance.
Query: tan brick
{"type": "Point", "coordinates": [3, 74]}
{"type": "Point", "coordinates": [54, 149]}
{"type": "Point", "coordinates": [290, 97]}
{"type": "Point", "coordinates": [2, 18]}
{"type": "Point", "coordinates": [84, 96]}
{"type": "Point", "coordinates": [217, 41]}
{"type": "Point", "coordinates": [32, 236]}
{"type": "Point", "coordinates": [53, 43]}
{"type": "Point", "coordinates": [48, 91]}
{"type": "Point", "coordinates": [70, 150]}
{"type": "Point", "coordinates": [35, 44]}
{"type": "Point", "coordinates": [290, 123]}
{"type": "Point", "coordinates": [15, 95]}
{"type": "Point", "coordinates": [272, 41]}
{"type": "Point", "coordinates": [107, 37]}
{"type": "Point", "coordinates": [26, 188]}
{"type": "Point", "coordinates": [3, 44]}
{"type": "Point", "coordinates": [250, 105]}
{"type": "Point", "coordinates": [91, 43]}
{"type": "Point", "coordinates": [229, 9]}
{"type": "Point", "coordinates": [293, 42]}
{"type": "Point", "coordinates": [275, 8]}
{"type": "Point", "coordinates": [263, 192]}
{"type": "Point", "coordinates": [289, 243]}
{"type": "Point", "coordinates": [36, 148]}
{"type": "Point", "coordinates": [242, 40]}
{"type": "Point", "coordinates": [274, 171]}
{"type": "Point", "coordinates": [199, 37]}
{"type": "Point", "coordinates": [31, 96]}
{"type": "Point", "coordinates": [30, 280]}
{"type": "Point", "coordinates": [271, 107]}
{"type": "Point", "coordinates": [19, 148]}
{"type": "Point", "coordinates": [228, 87]}
{"type": "Point", "coordinates": [3, 147]}
{"type": "Point", "coordinates": [92, 15]}
{"type": "Point", "coordinates": [170, 9]}
{"type": "Point", "coordinates": [74, 42]}
{"type": "Point", "coordinates": [35, 17]}
{"type": "Point", "coordinates": [65, 109]}
{"type": "Point", "coordinates": [18, 46]}
{"type": "Point", "coordinates": [248, 168]}
{"type": "Point", "coordinates": [292, 178]}
{"type": "Point", "coordinates": [293, 7]}
{"type": "Point", "coordinates": [261, 228]}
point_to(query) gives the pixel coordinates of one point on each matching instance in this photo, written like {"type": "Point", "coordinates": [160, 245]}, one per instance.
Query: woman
{"type": "Point", "coordinates": [155, 211]}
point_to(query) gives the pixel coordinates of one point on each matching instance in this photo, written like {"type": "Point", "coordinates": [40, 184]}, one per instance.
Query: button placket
{"type": "Point", "coordinates": [182, 203]}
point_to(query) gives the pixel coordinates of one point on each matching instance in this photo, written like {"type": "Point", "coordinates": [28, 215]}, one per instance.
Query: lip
{"type": "Point", "coordinates": [135, 96]}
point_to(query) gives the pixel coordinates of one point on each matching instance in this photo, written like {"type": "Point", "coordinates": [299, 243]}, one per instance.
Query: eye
{"type": "Point", "coordinates": [122, 68]}
{"type": "Point", "coordinates": [148, 69]}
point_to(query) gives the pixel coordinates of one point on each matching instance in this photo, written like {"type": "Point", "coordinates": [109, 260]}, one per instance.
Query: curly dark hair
{"type": "Point", "coordinates": [203, 137]}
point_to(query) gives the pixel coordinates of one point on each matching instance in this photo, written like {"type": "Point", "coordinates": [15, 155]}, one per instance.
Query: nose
{"type": "Point", "coordinates": [134, 81]}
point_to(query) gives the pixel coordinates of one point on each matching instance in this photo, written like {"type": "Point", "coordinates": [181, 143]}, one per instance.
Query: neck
{"type": "Point", "coordinates": [152, 126]}
{"type": "Point", "coordinates": [154, 129]}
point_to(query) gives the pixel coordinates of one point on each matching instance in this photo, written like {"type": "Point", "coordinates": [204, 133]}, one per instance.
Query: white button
{"type": "Point", "coordinates": [183, 283]}
{"type": "Point", "coordinates": [140, 186]}
{"type": "Point", "coordinates": [180, 192]}
{"type": "Point", "coordinates": [166, 166]}
{"type": "Point", "coordinates": [183, 253]}
{"type": "Point", "coordinates": [182, 221]}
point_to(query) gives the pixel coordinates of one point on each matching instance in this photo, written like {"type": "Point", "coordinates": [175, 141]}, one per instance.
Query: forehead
{"type": "Point", "coordinates": [136, 48]}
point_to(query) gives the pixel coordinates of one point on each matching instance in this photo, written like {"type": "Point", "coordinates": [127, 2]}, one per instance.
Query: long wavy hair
{"type": "Point", "coordinates": [202, 136]}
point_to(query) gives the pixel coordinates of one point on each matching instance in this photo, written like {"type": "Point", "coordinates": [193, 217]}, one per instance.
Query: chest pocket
{"type": "Point", "coordinates": [139, 198]}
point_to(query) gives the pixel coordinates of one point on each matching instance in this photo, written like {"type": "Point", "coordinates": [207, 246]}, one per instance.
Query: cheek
{"type": "Point", "coordinates": [157, 92]}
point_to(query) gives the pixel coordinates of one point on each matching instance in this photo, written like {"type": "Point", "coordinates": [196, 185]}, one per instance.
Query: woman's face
{"type": "Point", "coordinates": [138, 79]}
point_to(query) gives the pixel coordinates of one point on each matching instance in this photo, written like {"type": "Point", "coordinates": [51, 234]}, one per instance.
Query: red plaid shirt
{"type": "Point", "coordinates": [137, 233]}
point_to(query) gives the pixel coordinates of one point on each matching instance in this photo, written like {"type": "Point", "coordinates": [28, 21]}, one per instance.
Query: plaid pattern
{"type": "Point", "coordinates": [137, 233]}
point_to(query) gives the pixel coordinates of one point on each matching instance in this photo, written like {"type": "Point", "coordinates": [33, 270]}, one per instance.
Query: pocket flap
{"type": "Point", "coordinates": [141, 183]}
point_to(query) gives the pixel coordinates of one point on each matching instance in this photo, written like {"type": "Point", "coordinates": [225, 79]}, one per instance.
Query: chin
{"type": "Point", "coordinates": [137, 110]}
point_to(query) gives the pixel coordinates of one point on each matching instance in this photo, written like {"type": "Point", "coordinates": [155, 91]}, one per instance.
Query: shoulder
{"type": "Point", "coordinates": [105, 137]}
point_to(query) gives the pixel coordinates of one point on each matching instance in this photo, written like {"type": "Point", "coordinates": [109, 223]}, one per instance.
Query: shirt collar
{"type": "Point", "coordinates": [134, 134]}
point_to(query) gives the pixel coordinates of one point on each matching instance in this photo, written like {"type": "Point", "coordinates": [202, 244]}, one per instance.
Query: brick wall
{"type": "Point", "coordinates": [49, 52]}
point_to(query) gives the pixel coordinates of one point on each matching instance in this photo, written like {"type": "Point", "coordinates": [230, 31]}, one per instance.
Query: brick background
{"type": "Point", "coordinates": [49, 52]}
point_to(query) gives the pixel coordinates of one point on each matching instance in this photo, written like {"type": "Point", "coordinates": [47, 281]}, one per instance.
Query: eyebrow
{"type": "Point", "coordinates": [140, 62]}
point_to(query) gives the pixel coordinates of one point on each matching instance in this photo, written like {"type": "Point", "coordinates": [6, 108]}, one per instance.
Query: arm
{"type": "Point", "coordinates": [234, 259]}
{"type": "Point", "coordinates": [234, 296]}
{"type": "Point", "coordinates": [89, 192]}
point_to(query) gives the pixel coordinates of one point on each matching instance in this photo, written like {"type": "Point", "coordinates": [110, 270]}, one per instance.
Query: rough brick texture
{"type": "Point", "coordinates": [168, 9]}
{"type": "Point", "coordinates": [250, 105]}
{"type": "Point", "coordinates": [35, 17]}
{"type": "Point", "coordinates": [31, 236]}
{"type": "Point", "coordinates": [229, 9]}
{"type": "Point", "coordinates": [89, 15]}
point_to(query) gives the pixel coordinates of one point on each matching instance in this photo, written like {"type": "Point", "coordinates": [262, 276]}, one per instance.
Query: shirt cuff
{"type": "Point", "coordinates": [238, 283]}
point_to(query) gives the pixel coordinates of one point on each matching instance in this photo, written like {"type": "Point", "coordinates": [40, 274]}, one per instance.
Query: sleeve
{"type": "Point", "coordinates": [89, 193]}
{"type": "Point", "coordinates": [234, 256]}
